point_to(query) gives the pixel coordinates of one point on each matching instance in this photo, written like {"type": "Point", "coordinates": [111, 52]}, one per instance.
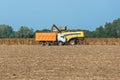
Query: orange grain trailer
{"type": "Point", "coordinates": [47, 38]}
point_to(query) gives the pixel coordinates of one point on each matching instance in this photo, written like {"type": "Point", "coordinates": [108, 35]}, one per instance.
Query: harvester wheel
{"type": "Point", "coordinates": [72, 42]}
{"type": "Point", "coordinates": [60, 43]}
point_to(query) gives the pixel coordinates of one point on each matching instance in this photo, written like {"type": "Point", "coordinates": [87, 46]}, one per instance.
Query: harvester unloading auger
{"type": "Point", "coordinates": [59, 36]}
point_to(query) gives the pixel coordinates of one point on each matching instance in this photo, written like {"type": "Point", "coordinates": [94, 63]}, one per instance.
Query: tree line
{"type": "Point", "coordinates": [109, 30]}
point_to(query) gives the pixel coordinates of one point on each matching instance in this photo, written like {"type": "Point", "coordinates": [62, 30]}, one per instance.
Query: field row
{"type": "Point", "coordinates": [87, 41]}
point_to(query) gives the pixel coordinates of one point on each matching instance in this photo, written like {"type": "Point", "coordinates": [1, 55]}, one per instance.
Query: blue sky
{"type": "Point", "coordinates": [76, 14]}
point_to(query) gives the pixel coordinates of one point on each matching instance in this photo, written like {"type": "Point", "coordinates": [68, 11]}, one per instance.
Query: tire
{"type": "Point", "coordinates": [42, 44]}
{"type": "Point", "coordinates": [72, 42]}
{"type": "Point", "coordinates": [60, 43]}
{"type": "Point", "coordinates": [47, 43]}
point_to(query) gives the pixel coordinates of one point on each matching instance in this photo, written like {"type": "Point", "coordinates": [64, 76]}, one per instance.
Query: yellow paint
{"type": "Point", "coordinates": [72, 35]}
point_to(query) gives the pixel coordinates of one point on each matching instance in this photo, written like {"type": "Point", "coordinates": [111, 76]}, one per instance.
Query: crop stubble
{"type": "Point", "coordinates": [81, 62]}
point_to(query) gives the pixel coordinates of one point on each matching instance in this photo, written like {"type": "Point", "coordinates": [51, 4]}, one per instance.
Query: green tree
{"type": "Point", "coordinates": [118, 31]}
{"type": "Point", "coordinates": [99, 32]}
{"type": "Point", "coordinates": [24, 32]}
{"type": "Point", "coordinates": [45, 30]}
{"type": "Point", "coordinates": [112, 30]}
{"type": "Point", "coordinates": [88, 34]}
{"type": "Point", "coordinates": [116, 25]}
{"type": "Point", "coordinates": [6, 31]}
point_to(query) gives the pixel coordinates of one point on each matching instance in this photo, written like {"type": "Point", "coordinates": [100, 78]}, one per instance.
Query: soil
{"type": "Point", "coordinates": [80, 62]}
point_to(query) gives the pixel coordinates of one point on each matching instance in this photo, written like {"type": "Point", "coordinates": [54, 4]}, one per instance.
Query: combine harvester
{"type": "Point", "coordinates": [59, 36]}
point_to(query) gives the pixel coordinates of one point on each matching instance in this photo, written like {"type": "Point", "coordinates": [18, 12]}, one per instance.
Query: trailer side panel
{"type": "Point", "coordinates": [46, 37]}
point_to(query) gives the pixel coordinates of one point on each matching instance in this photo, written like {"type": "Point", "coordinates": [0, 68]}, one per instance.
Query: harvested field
{"type": "Point", "coordinates": [85, 62]}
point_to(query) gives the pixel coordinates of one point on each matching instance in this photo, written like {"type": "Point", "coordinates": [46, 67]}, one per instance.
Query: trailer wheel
{"type": "Point", "coordinates": [47, 43]}
{"type": "Point", "coordinates": [41, 43]}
